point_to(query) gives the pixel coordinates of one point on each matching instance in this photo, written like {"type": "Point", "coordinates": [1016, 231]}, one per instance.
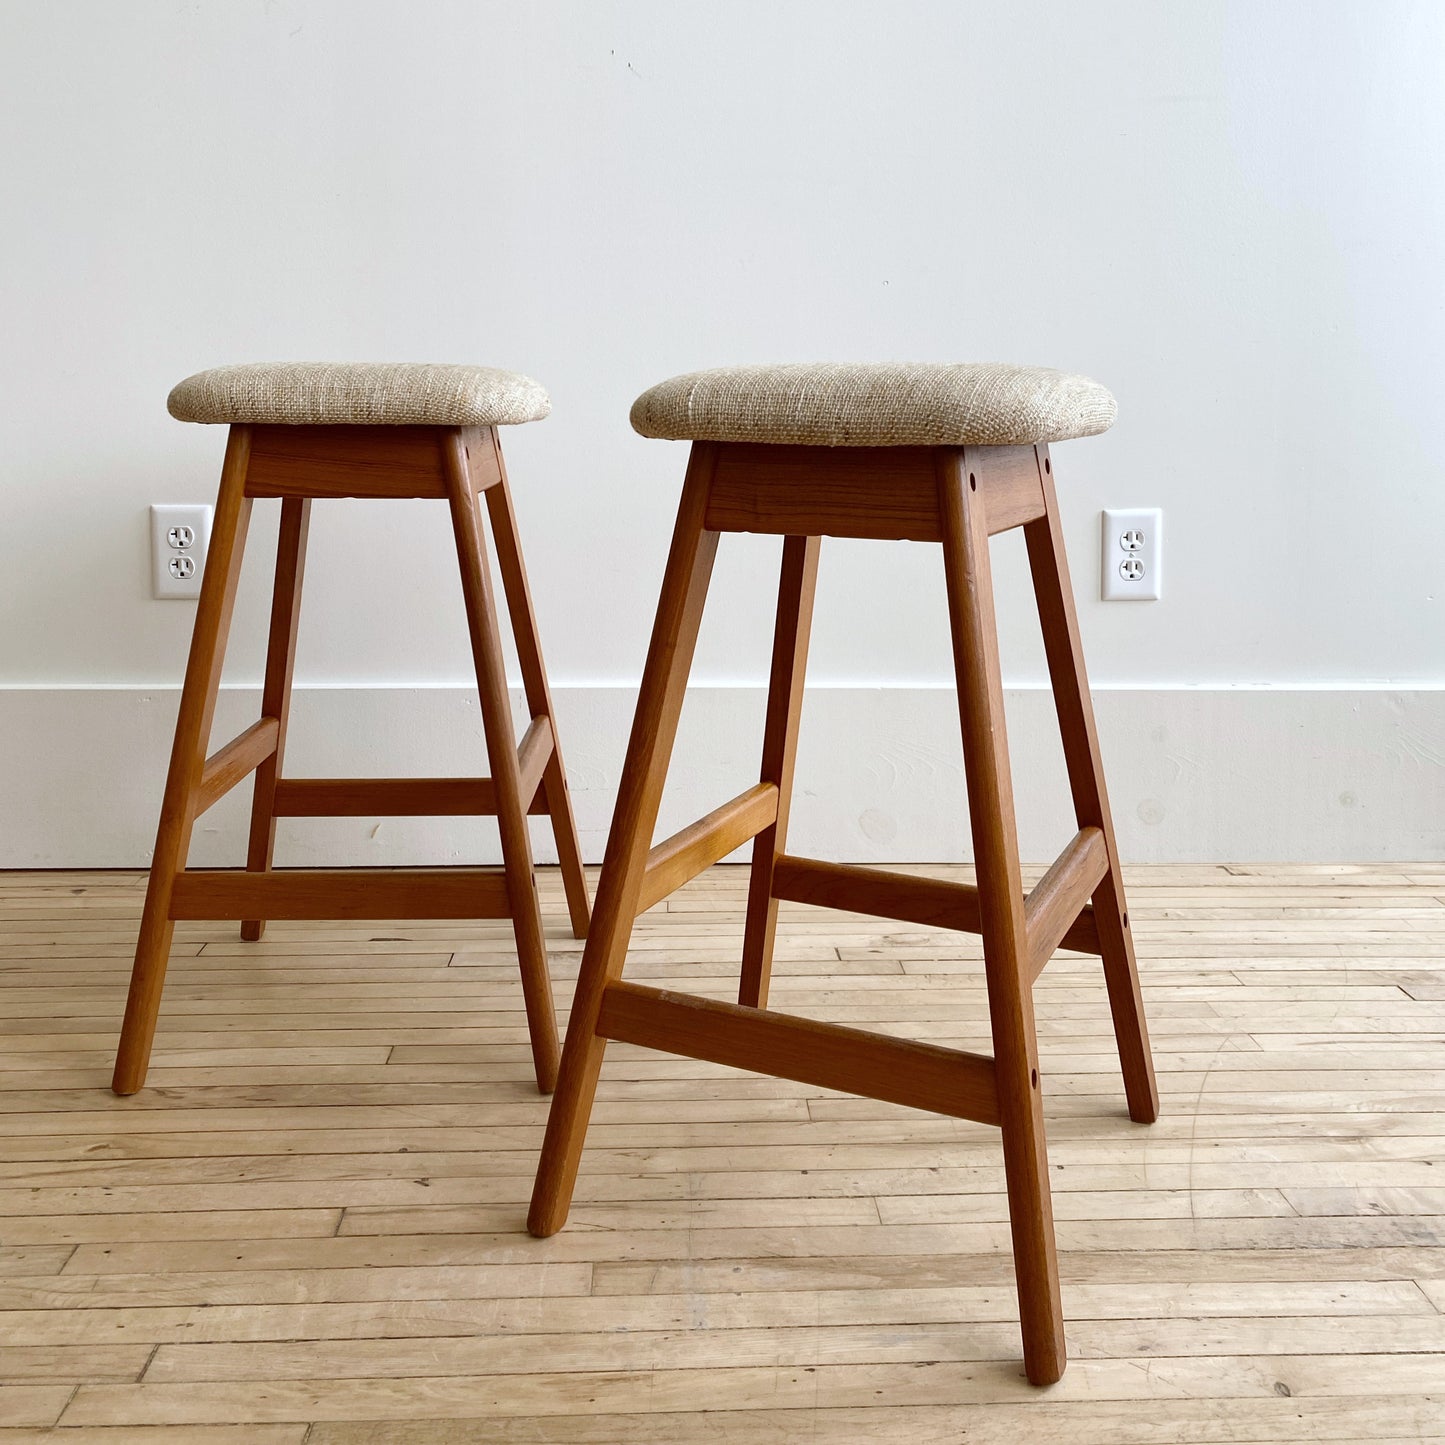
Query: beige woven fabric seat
{"type": "Point", "coordinates": [359, 394]}
{"type": "Point", "coordinates": [876, 405]}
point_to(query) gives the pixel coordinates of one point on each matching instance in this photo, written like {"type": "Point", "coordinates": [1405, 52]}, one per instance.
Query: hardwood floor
{"type": "Point", "coordinates": [310, 1226]}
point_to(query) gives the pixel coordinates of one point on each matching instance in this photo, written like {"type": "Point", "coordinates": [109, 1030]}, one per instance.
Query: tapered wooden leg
{"type": "Point", "coordinates": [502, 750]}
{"type": "Point", "coordinates": [188, 756]}
{"type": "Point", "coordinates": [659, 702]}
{"type": "Point", "coordinates": [276, 690]}
{"type": "Point", "coordinates": [780, 751]}
{"type": "Point", "coordinates": [995, 842]}
{"type": "Point", "coordinates": [1091, 802]}
{"type": "Point", "coordinates": [539, 696]}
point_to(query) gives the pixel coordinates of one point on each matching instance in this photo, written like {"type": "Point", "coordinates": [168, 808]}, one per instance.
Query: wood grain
{"type": "Point", "coordinates": [1291, 1058]}
{"type": "Point", "coordinates": [390, 798]}
{"type": "Point", "coordinates": [1053, 908]}
{"type": "Point", "coordinates": [797, 587]}
{"type": "Point", "coordinates": [238, 759]}
{"type": "Point", "coordinates": [683, 856]}
{"type": "Point", "coordinates": [508, 783]}
{"type": "Point", "coordinates": [276, 687]}
{"type": "Point", "coordinates": [967, 575]}
{"type": "Point", "coordinates": [832, 1056]}
{"type": "Point", "coordinates": [874, 492]}
{"type": "Point", "coordinates": [341, 893]}
{"type": "Point", "coordinates": [361, 461]}
{"type": "Point", "coordinates": [877, 493]}
{"type": "Point", "coordinates": [518, 592]}
{"type": "Point", "coordinates": [624, 865]}
{"type": "Point", "coordinates": [1069, 678]}
{"type": "Point", "coordinates": [188, 756]}
{"type": "Point", "coordinates": [908, 898]}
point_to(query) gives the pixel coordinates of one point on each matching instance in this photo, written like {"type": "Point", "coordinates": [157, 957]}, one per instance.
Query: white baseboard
{"type": "Point", "coordinates": [1196, 774]}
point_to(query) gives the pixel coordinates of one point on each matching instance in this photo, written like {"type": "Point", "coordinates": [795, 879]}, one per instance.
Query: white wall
{"type": "Point", "coordinates": [1233, 214]}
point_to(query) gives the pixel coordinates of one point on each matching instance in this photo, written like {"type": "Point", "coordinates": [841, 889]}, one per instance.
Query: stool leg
{"type": "Point", "coordinates": [506, 774]}
{"type": "Point", "coordinates": [188, 757]}
{"type": "Point", "coordinates": [1010, 996]}
{"type": "Point", "coordinates": [1091, 802]}
{"type": "Point", "coordinates": [659, 702]}
{"type": "Point", "coordinates": [539, 695]}
{"type": "Point", "coordinates": [276, 691]}
{"type": "Point", "coordinates": [780, 751]}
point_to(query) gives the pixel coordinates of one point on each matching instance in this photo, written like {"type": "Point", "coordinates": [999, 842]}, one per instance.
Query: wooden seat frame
{"type": "Point", "coordinates": [297, 464]}
{"type": "Point", "coordinates": [957, 497]}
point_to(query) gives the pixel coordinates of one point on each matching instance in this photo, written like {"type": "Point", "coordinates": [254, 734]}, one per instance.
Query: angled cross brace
{"type": "Point", "coordinates": [832, 1056]}
{"type": "Point", "coordinates": [237, 761]}
{"type": "Point", "coordinates": [1057, 913]}
{"type": "Point", "coordinates": [682, 857]}
{"type": "Point", "coordinates": [373, 797]}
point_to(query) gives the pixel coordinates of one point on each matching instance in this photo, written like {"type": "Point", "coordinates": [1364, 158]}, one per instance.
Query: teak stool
{"type": "Point", "coordinates": [946, 454]}
{"type": "Point", "coordinates": [304, 431]}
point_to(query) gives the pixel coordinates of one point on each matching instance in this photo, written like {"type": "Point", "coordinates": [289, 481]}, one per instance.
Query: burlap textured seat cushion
{"type": "Point", "coordinates": [359, 394]}
{"type": "Point", "coordinates": [876, 405]}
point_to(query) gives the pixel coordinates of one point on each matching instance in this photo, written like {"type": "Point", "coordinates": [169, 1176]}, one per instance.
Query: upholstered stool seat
{"type": "Point", "coordinates": [359, 394]}
{"type": "Point", "coordinates": [944, 454]}
{"type": "Point", "coordinates": [306, 432]}
{"type": "Point", "coordinates": [889, 404]}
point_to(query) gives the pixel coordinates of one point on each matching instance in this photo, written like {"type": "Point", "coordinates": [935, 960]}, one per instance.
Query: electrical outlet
{"type": "Point", "coordinates": [180, 539]}
{"type": "Point", "coordinates": [1129, 566]}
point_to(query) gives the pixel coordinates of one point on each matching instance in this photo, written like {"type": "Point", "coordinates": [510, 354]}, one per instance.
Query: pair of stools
{"type": "Point", "coordinates": [933, 453]}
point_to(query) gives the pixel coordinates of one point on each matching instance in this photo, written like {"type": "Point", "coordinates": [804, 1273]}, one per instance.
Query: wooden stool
{"type": "Point", "coordinates": [947, 454]}
{"type": "Point", "coordinates": [298, 432]}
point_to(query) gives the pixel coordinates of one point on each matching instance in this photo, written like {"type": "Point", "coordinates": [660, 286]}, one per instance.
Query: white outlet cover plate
{"type": "Point", "coordinates": [165, 517]}
{"type": "Point", "coordinates": [1131, 539]}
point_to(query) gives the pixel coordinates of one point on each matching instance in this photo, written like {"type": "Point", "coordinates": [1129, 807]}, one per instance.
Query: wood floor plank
{"type": "Point", "coordinates": [792, 1386]}
{"type": "Point", "coordinates": [67, 1296]}
{"type": "Point", "coordinates": [37, 1405]}
{"type": "Point", "coordinates": [450, 1303]}
{"type": "Point", "coordinates": [426, 1248]}
{"type": "Point", "coordinates": [1341, 1269]}
{"type": "Point", "coordinates": [861, 1344]}
{"type": "Point", "coordinates": [225, 1224]}
{"type": "Point", "coordinates": [1075, 1423]}
{"type": "Point", "coordinates": [495, 1177]}
{"type": "Point", "coordinates": [164, 1435]}
{"type": "Point", "coordinates": [32, 1363]}
{"type": "Point", "coordinates": [34, 1259]}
